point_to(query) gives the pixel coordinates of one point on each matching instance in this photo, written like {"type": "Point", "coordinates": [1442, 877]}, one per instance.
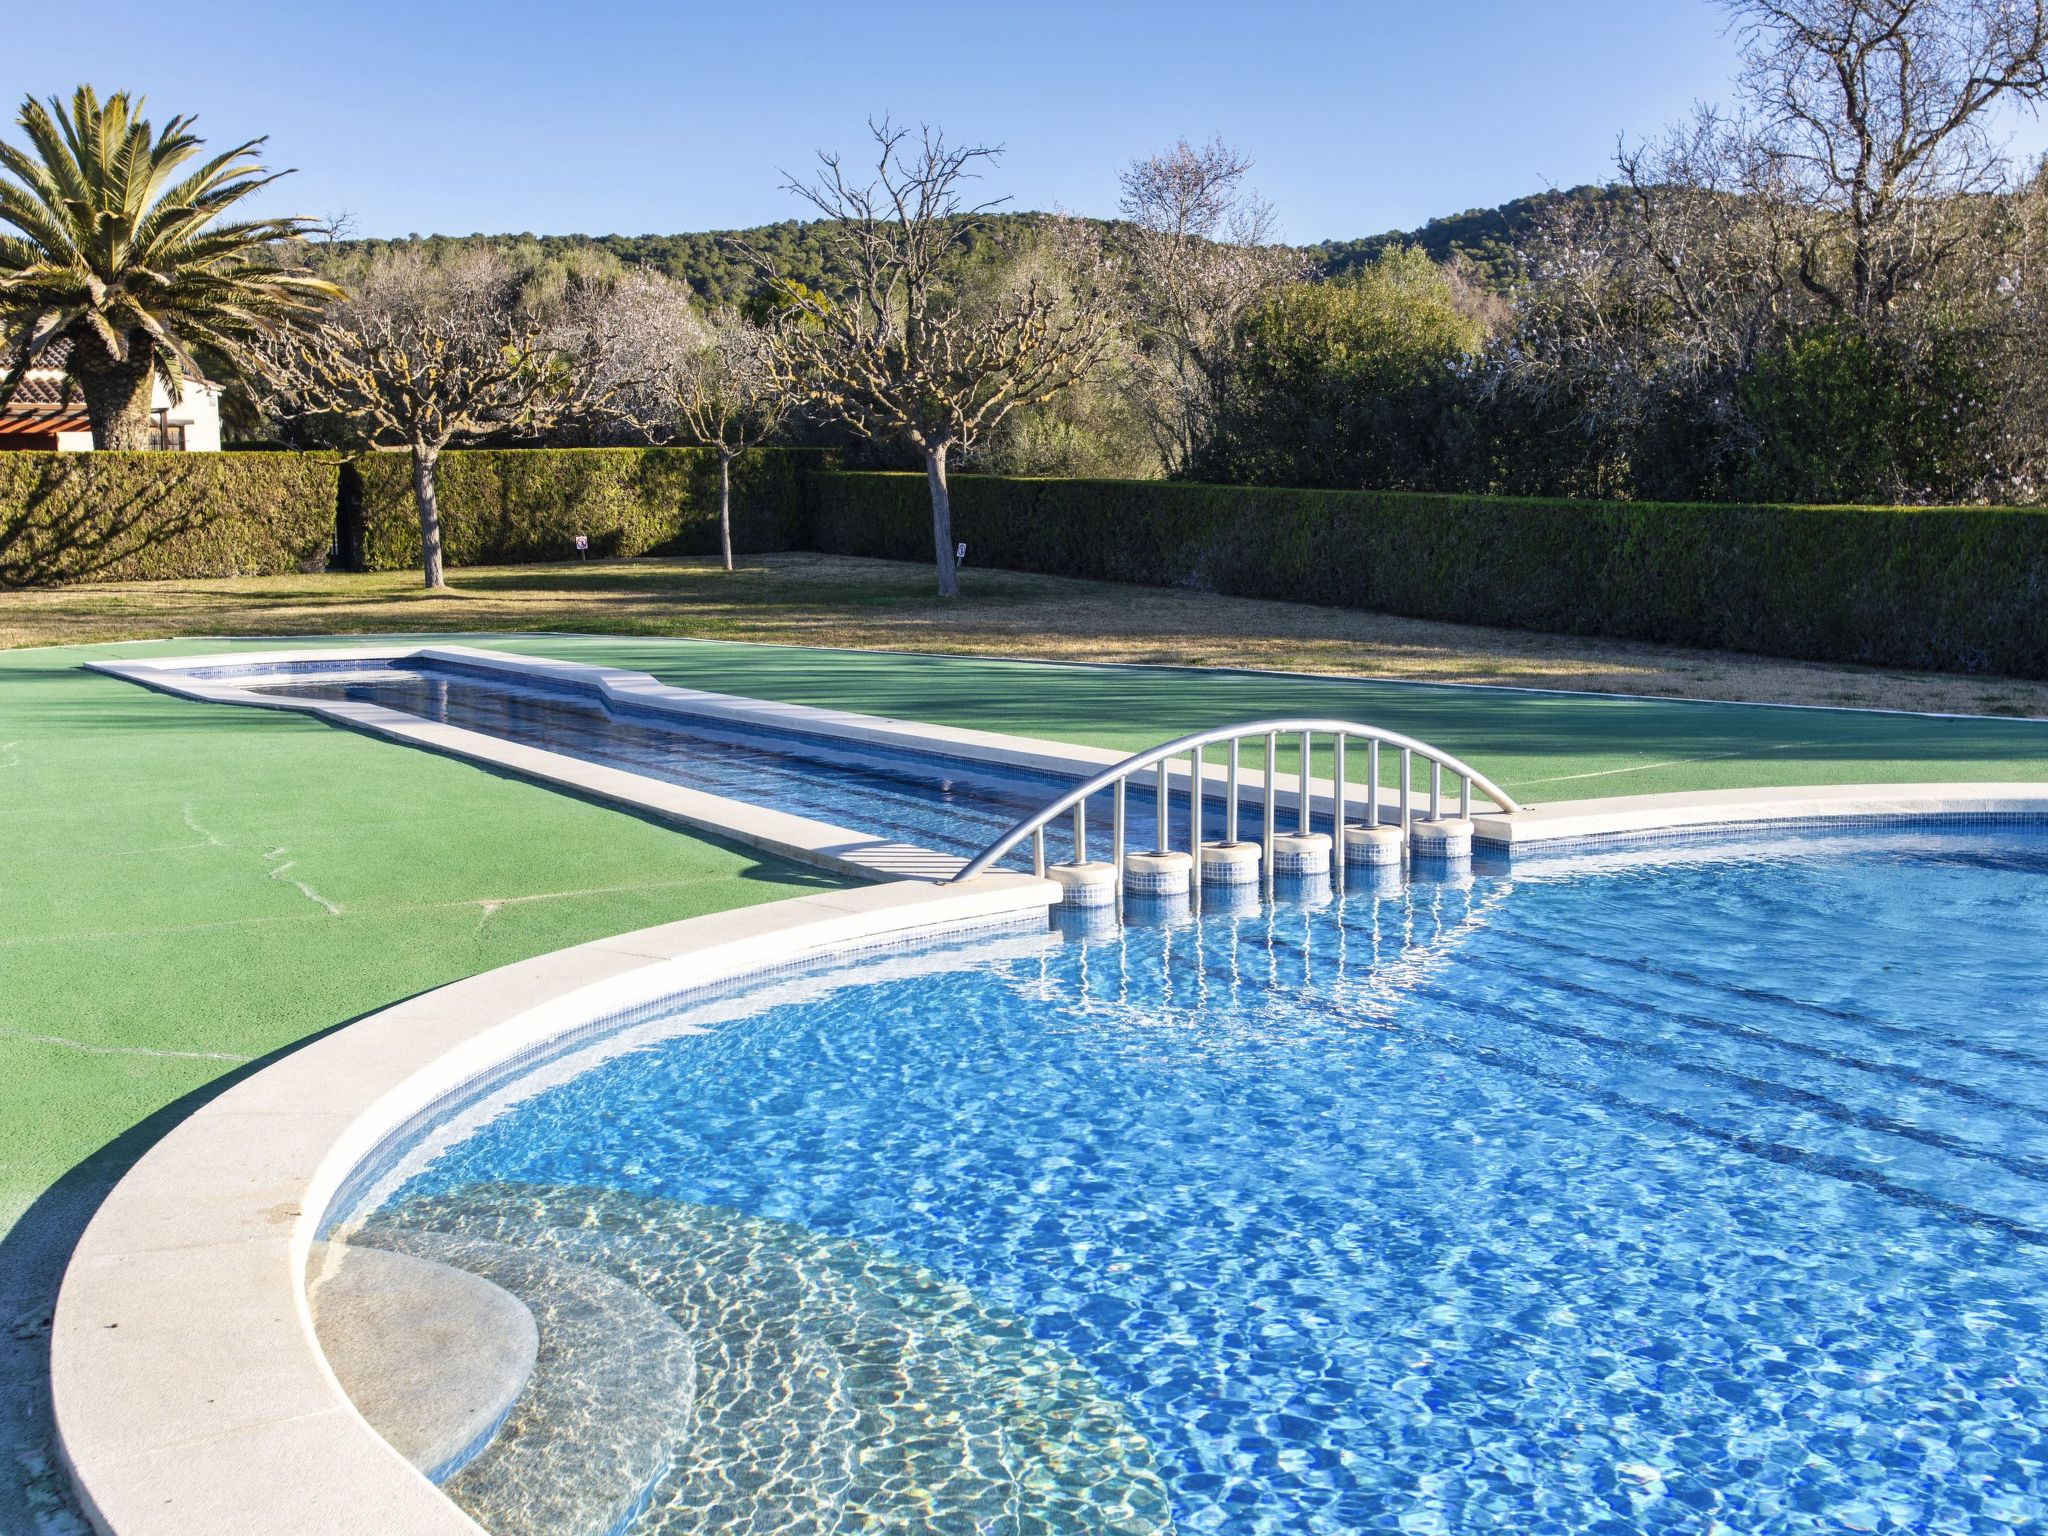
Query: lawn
{"type": "Point", "coordinates": [883, 605]}
{"type": "Point", "coordinates": [192, 888]}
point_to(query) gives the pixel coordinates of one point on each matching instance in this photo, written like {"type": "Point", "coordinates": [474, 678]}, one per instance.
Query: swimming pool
{"type": "Point", "coordinates": [1696, 1189]}
{"type": "Point", "coordinates": [952, 804]}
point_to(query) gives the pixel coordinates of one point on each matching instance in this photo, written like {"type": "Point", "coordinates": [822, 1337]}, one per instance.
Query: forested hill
{"type": "Point", "coordinates": [717, 265]}
{"type": "Point", "coordinates": [1485, 237]}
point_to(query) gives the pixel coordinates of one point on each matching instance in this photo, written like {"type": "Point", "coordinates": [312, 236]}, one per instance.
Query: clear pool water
{"type": "Point", "coordinates": [1699, 1190]}
{"type": "Point", "coordinates": [949, 804]}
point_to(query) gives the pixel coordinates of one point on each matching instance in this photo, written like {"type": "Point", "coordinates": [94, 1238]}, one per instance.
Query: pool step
{"type": "Point", "coordinates": [433, 1356]}
{"type": "Point", "coordinates": [605, 1409]}
{"type": "Point", "coordinates": [838, 1388]}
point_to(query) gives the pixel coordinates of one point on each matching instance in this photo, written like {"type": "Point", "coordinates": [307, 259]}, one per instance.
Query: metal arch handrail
{"type": "Point", "coordinates": [1154, 757]}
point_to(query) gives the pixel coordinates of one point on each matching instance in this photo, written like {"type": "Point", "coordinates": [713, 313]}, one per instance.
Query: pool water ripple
{"type": "Point", "coordinates": [1671, 1193]}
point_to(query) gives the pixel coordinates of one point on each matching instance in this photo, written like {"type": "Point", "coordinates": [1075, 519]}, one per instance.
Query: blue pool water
{"type": "Point", "coordinates": [952, 805]}
{"type": "Point", "coordinates": [1698, 1190]}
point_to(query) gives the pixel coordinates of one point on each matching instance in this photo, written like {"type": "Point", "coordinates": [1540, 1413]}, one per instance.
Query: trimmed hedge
{"type": "Point", "coordinates": [1957, 589]}
{"type": "Point", "coordinates": [70, 517]}
{"type": "Point", "coordinates": [501, 506]}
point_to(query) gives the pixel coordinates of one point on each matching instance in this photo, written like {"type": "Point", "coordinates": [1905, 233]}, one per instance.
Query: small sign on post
{"type": "Point", "coordinates": [960, 554]}
{"type": "Point", "coordinates": [583, 545]}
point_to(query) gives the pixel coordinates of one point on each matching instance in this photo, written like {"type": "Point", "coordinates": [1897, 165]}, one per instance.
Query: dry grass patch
{"type": "Point", "coordinates": [803, 599]}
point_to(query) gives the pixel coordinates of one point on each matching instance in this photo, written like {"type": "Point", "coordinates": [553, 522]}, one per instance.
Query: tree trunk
{"type": "Point", "coordinates": [942, 520]}
{"type": "Point", "coordinates": [725, 507]}
{"type": "Point", "coordinates": [424, 457]}
{"type": "Point", "coordinates": [116, 393]}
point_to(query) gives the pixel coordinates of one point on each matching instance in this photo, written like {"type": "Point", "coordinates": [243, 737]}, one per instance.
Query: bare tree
{"type": "Point", "coordinates": [425, 354]}
{"type": "Point", "coordinates": [1201, 254]}
{"type": "Point", "coordinates": [899, 354]}
{"type": "Point", "coordinates": [1870, 117]}
{"type": "Point", "coordinates": [730, 393]}
{"type": "Point", "coordinates": [1855, 185]}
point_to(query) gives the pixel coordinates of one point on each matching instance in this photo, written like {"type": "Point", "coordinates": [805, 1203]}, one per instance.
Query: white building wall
{"type": "Point", "coordinates": [197, 410]}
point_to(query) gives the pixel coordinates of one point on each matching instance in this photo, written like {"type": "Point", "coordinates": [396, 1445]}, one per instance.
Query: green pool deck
{"type": "Point", "coordinates": [187, 889]}
{"type": "Point", "coordinates": [191, 886]}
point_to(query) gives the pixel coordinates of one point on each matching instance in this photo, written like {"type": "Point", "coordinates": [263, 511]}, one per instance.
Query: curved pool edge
{"type": "Point", "coordinates": [1569, 824]}
{"type": "Point", "coordinates": [189, 1393]}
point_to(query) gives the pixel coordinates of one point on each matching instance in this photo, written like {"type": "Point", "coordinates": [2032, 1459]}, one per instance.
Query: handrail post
{"type": "Point", "coordinates": [1464, 798]}
{"type": "Point", "coordinates": [1038, 852]}
{"type": "Point", "coordinates": [1272, 774]}
{"type": "Point", "coordinates": [1230, 803]}
{"type": "Point", "coordinates": [1337, 812]}
{"type": "Point", "coordinates": [1301, 810]}
{"type": "Point", "coordinates": [1159, 808]}
{"type": "Point", "coordinates": [1372, 783]}
{"type": "Point", "coordinates": [1116, 842]}
{"type": "Point", "coordinates": [1081, 831]}
{"type": "Point", "coordinates": [1407, 794]}
{"type": "Point", "coordinates": [1195, 824]}
{"type": "Point", "coordinates": [1436, 790]}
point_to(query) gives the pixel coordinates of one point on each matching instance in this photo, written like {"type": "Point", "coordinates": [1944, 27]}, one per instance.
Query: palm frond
{"type": "Point", "coordinates": [116, 235]}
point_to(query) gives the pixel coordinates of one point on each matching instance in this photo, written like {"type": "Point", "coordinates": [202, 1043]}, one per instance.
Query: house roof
{"type": "Point", "coordinates": [24, 424]}
{"type": "Point", "coordinates": [44, 381]}
{"type": "Point", "coordinates": [41, 402]}
{"type": "Point", "coordinates": [43, 386]}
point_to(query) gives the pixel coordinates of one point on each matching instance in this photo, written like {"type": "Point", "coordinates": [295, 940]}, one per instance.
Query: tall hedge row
{"type": "Point", "coordinates": [1961, 589]}
{"type": "Point", "coordinates": [503, 505]}
{"type": "Point", "coordinates": [67, 517]}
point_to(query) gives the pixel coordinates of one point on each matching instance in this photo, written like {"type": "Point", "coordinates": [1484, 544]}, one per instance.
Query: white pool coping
{"type": "Point", "coordinates": [1633, 816]}
{"type": "Point", "coordinates": [190, 1395]}
{"type": "Point", "coordinates": [863, 856]}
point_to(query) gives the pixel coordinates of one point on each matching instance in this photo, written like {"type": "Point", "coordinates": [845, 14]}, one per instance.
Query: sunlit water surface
{"type": "Point", "coordinates": [1703, 1190]}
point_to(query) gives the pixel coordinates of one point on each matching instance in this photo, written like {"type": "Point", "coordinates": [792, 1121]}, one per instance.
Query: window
{"type": "Point", "coordinates": [165, 434]}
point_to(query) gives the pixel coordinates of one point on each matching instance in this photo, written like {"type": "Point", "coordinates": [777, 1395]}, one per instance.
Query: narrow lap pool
{"type": "Point", "coordinates": [945, 803]}
{"type": "Point", "coordinates": [1701, 1189]}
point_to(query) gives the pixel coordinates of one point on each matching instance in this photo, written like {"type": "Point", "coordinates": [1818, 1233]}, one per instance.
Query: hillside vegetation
{"type": "Point", "coordinates": [718, 267]}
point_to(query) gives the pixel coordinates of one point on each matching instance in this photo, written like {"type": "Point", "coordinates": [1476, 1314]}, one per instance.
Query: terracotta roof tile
{"type": "Point", "coordinates": [41, 386]}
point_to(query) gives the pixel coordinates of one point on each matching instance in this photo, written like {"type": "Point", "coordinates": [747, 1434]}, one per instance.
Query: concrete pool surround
{"type": "Point", "coordinates": [190, 1390]}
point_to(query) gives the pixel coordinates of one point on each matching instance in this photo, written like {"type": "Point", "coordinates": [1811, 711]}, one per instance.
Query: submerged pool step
{"type": "Point", "coordinates": [434, 1356]}
{"type": "Point", "coordinates": [604, 1410]}
{"type": "Point", "coordinates": [837, 1388]}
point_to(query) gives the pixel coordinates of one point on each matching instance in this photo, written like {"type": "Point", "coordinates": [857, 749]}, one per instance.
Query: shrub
{"type": "Point", "coordinates": [1351, 383]}
{"type": "Point", "coordinates": [504, 505]}
{"type": "Point", "coordinates": [69, 517]}
{"type": "Point", "coordinates": [1960, 589]}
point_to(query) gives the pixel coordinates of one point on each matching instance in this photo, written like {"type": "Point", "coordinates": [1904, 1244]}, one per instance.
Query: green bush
{"type": "Point", "coordinates": [505, 505]}
{"type": "Point", "coordinates": [1959, 589]}
{"type": "Point", "coordinates": [68, 517]}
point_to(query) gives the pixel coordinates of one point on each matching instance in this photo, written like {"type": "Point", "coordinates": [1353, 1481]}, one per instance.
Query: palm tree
{"type": "Point", "coordinates": [122, 270]}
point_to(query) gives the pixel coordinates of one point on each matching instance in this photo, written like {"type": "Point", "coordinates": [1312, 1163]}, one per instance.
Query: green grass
{"type": "Point", "coordinates": [190, 888]}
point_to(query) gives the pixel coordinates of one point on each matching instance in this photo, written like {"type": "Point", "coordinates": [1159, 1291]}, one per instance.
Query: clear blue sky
{"type": "Point", "coordinates": [603, 116]}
